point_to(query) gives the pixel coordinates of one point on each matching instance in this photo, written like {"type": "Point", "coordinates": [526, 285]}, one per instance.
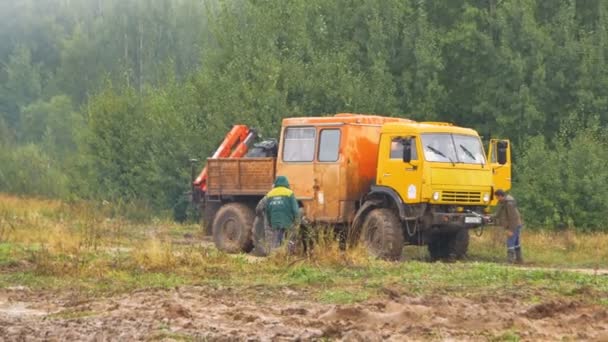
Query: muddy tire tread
{"type": "Point", "coordinates": [244, 215]}
{"type": "Point", "coordinates": [390, 226]}
{"type": "Point", "coordinates": [438, 248]}
{"type": "Point", "coordinates": [459, 244]}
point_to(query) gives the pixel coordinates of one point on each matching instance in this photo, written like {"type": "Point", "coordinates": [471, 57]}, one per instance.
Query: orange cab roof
{"type": "Point", "coordinates": [343, 118]}
{"type": "Point", "coordinates": [389, 124]}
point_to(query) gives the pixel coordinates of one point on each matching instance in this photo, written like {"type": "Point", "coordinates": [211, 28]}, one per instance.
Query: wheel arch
{"type": "Point", "coordinates": [378, 197]}
{"type": "Point", "coordinates": [389, 197]}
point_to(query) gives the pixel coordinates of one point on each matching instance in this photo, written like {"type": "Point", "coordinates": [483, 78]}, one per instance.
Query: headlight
{"type": "Point", "coordinates": [486, 198]}
{"type": "Point", "coordinates": [436, 196]}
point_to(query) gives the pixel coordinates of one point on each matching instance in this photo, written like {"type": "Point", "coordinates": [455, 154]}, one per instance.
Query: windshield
{"type": "Point", "coordinates": [452, 148]}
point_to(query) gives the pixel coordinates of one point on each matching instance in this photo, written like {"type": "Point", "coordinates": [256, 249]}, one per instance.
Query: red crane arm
{"type": "Point", "coordinates": [241, 137]}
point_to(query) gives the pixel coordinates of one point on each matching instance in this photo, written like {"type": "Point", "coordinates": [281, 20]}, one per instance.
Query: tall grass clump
{"type": "Point", "coordinates": [545, 247]}
{"type": "Point", "coordinates": [154, 255]}
{"type": "Point", "coordinates": [321, 247]}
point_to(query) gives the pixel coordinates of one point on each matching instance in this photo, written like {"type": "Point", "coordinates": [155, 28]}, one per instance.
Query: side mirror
{"type": "Point", "coordinates": [407, 149]}
{"type": "Point", "coordinates": [501, 155]}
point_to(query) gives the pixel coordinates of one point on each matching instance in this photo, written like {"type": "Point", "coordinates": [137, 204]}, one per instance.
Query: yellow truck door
{"type": "Point", "coordinates": [501, 173]}
{"type": "Point", "coordinates": [393, 172]}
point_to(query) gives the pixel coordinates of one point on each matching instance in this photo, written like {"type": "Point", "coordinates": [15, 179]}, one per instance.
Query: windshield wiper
{"type": "Point", "coordinates": [440, 153]}
{"type": "Point", "coordinates": [469, 153]}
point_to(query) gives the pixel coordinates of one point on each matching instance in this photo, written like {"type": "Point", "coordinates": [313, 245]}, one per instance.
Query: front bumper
{"type": "Point", "coordinates": [456, 220]}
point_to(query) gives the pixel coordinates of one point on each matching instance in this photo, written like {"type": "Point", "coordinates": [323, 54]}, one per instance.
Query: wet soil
{"type": "Point", "coordinates": [254, 314]}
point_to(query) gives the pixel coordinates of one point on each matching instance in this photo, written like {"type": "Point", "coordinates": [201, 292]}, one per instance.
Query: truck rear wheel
{"type": "Point", "coordinates": [438, 248]}
{"type": "Point", "coordinates": [458, 244]}
{"type": "Point", "coordinates": [232, 228]}
{"type": "Point", "coordinates": [449, 246]}
{"type": "Point", "coordinates": [383, 235]}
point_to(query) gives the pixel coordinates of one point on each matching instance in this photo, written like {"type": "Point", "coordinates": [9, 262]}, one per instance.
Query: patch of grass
{"type": "Point", "coordinates": [72, 314]}
{"type": "Point", "coordinates": [545, 248]}
{"type": "Point", "coordinates": [343, 296]}
{"type": "Point", "coordinates": [6, 254]}
{"type": "Point", "coordinates": [36, 281]}
{"type": "Point", "coordinates": [507, 336]}
{"type": "Point", "coordinates": [330, 284]}
{"type": "Point", "coordinates": [57, 246]}
{"type": "Point", "coordinates": [171, 336]}
{"type": "Point", "coordinates": [540, 248]}
{"type": "Point", "coordinates": [185, 231]}
{"type": "Point", "coordinates": [122, 281]}
{"type": "Point", "coordinates": [111, 283]}
{"type": "Point", "coordinates": [154, 255]}
{"type": "Point", "coordinates": [309, 275]}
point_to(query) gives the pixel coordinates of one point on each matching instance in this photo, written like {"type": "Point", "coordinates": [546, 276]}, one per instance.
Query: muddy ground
{"type": "Point", "coordinates": [205, 313]}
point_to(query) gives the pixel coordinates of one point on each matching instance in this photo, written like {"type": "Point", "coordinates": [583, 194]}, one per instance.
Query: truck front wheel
{"type": "Point", "coordinates": [232, 228]}
{"type": "Point", "coordinates": [383, 235]}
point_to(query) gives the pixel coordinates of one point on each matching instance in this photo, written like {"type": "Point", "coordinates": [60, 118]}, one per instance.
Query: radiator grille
{"type": "Point", "coordinates": [461, 196]}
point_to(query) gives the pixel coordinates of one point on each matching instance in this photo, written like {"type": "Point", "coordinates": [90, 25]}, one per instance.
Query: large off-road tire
{"type": "Point", "coordinates": [458, 244]}
{"type": "Point", "coordinates": [438, 247]}
{"type": "Point", "coordinates": [382, 234]}
{"type": "Point", "coordinates": [232, 228]}
{"type": "Point", "coordinates": [449, 246]}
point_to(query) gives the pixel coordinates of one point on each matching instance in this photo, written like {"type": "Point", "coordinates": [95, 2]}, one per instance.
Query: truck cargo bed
{"type": "Point", "coordinates": [240, 176]}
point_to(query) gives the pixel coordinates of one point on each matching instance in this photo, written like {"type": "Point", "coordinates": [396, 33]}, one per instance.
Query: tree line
{"type": "Point", "coordinates": [109, 99]}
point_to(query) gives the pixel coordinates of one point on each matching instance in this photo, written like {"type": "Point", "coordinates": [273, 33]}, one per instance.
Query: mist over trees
{"type": "Point", "coordinates": [109, 99]}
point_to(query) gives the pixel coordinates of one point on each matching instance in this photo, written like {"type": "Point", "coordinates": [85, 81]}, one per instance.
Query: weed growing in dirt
{"type": "Point", "coordinates": [507, 336]}
{"type": "Point", "coordinates": [154, 255]}
{"type": "Point", "coordinates": [343, 296]}
{"type": "Point", "coordinates": [6, 257]}
{"type": "Point", "coordinates": [72, 314]}
{"type": "Point", "coordinates": [323, 250]}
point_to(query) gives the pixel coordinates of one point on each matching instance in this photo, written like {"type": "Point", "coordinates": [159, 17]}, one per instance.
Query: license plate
{"type": "Point", "coordinates": [472, 219]}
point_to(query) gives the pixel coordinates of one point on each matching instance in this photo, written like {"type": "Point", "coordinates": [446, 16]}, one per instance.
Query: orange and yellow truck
{"type": "Point", "coordinates": [385, 181]}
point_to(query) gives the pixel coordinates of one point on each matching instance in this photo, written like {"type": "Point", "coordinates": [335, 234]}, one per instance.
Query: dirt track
{"type": "Point", "coordinates": [203, 313]}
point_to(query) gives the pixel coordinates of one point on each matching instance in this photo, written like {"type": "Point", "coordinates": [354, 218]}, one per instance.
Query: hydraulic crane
{"type": "Point", "coordinates": [235, 145]}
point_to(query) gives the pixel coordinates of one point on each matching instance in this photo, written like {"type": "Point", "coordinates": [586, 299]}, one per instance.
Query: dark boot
{"type": "Point", "coordinates": [518, 258]}
{"type": "Point", "coordinates": [510, 256]}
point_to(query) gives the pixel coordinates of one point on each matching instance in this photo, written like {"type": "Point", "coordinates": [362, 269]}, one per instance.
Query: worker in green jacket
{"type": "Point", "coordinates": [280, 209]}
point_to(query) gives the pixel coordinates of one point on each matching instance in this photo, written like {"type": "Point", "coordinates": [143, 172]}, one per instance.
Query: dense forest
{"type": "Point", "coordinates": [107, 100]}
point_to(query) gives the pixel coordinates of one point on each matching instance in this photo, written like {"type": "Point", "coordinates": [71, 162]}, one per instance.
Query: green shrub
{"type": "Point", "coordinates": [564, 181]}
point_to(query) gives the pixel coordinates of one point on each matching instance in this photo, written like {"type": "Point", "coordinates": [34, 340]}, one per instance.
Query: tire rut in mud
{"type": "Point", "coordinates": [225, 313]}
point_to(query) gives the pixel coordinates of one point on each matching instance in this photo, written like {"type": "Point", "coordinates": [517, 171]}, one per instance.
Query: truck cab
{"type": "Point", "coordinates": [438, 180]}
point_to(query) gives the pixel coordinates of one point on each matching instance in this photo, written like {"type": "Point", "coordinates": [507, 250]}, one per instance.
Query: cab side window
{"type": "Point", "coordinates": [329, 145]}
{"type": "Point", "coordinates": [299, 144]}
{"type": "Point", "coordinates": [493, 157]}
{"type": "Point", "coordinates": [397, 149]}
